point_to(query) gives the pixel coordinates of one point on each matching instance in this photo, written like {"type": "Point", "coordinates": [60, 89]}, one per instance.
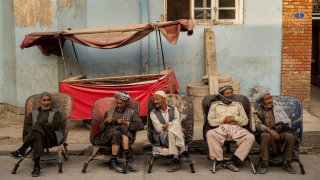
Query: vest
{"type": "Point", "coordinates": [157, 112]}
{"type": "Point", "coordinates": [126, 115]}
{"type": "Point", "coordinates": [261, 115]}
{"type": "Point", "coordinates": [59, 133]}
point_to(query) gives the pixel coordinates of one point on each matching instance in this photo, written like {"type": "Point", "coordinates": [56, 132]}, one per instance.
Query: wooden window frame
{"type": "Point", "coordinates": [214, 13]}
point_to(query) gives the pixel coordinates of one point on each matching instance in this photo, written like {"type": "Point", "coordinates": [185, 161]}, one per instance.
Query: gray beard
{"type": "Point", "coordinates": [269, 106]}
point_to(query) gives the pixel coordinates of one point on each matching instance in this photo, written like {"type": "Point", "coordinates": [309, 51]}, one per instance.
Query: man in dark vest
{"type": "Point", "coordinates": [43, 128]}
{"type": "Point", "coordinates": [168, 131]}
{"type": "Point", "coordinates": [267, 118]}
{"type": "Point", "coordinates": [115, 130]}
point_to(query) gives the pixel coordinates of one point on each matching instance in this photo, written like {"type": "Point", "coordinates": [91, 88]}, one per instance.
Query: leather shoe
{"type": "Point", "coordinates": [288, 168]}
{"type": "Point", "coordinates": [113, 166]}
{"type": "Point", "coordinates": [187, 157]}
{"type": "Point", "coordinates": [131, 164]}
{"type": "Point", "coordinates": [174, 165]}
{"type": "Point", "coordinates": [230, 165]}
{"type": "Point", "coordinates": [16, 154]}
{"type": "Point", "coordinates": [35, 172]}
{"type": "Point", "coordinates": [263, 168]}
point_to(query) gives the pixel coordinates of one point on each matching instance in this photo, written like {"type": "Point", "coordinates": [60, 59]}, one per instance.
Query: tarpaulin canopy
{"type": "Point", "coordinates": [86, 92]}
{"type": "Point", "coordinates": [105, 38]}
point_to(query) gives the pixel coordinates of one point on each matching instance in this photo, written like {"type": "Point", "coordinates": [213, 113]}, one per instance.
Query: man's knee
{"type": "Point", "coordinates": [37, 135]}
{"type": "Point", "coordinates": [266, 137]}
{"type": "Point", "coordinates": [116, 137]}
{"type": "Point", "coordinates": [123, 128]}
{"type": "Point", "coordinates": [211, 134]}
{"type": "Point", "coordinates": [289, 136]}
{"type": "Point", "coordinates": [250, 137]}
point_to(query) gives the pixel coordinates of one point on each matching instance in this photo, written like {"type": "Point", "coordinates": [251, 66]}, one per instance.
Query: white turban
{"type": "Point", "coordinates": [161, 93]}
{"type": "Point", "coordinates": [123, 95]}
{"type": "Point", "coordinates": [261, 95]}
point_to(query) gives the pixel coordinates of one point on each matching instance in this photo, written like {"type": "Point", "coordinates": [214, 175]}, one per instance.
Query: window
{"type": "Point", "coordinates": [217, 11]}
{"type": "Point", "coordinates": [177, 9]}
{"type": "Point", "coordinates": [205, 11]}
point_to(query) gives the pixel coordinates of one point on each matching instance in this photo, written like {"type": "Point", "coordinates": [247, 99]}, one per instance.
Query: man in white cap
{"type": "Point", "coordinates": [168, 131]}
{"type": "Point", "coordinates": [268, 120]}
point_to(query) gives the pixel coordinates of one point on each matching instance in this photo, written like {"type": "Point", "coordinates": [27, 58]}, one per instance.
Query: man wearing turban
{"type": "Point", "coordinates": [115, 130]}
{"type": "Point", "coordinates": [168, 131]}
{"type": "Point", "coordinates": [267, 118]}
{"type": "Point", "coordinates": [228, 118]}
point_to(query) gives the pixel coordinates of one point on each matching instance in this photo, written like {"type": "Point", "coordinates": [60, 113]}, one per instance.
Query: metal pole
{"type": "Point", "coordinates": [164, 65]}
{"type": "Point", "coordinates": [75, 53]}
{"type": "Point", "coordinates": [158, 52]}
{"type": "Point", "coordinates": [62, 55]}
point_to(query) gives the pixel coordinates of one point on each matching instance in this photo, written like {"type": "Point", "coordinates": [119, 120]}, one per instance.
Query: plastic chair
{"type": "Point", "coordinates": [184, 105]}
{"type": "Point", "coordinates": [206, 103]}
{"type": "Point", "coordinates": [294, 110]}
{"type": "Point", "coordinates": [98, 111]}
{"type": "Point", "coordinates": [63, 103]}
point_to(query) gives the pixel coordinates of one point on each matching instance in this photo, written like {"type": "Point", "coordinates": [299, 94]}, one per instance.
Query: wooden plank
{"type": "Point", "coordinates": [72, 80]}
{"type": "Point", "coordinates": [211, 65]}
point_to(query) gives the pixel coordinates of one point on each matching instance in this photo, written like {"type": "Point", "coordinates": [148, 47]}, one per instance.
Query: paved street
{"type": "Point", "coordinates": [98, 170]}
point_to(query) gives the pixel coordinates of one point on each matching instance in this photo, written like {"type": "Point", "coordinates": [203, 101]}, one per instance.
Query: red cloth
{"type": "Point", "coordinates": [85, 95]}
{"type": "Point", "coordinates": [117, 36]}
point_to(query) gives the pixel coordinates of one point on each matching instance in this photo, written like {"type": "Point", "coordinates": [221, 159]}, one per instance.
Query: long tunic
{"type": "Point", "coordinates": [173, 135]}
{"type": "Point", "coordinates": [41, 134]}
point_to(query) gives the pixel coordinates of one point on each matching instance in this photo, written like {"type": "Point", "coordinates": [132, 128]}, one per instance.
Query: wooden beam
{"type": "Point", "coordinates": [211, 63]}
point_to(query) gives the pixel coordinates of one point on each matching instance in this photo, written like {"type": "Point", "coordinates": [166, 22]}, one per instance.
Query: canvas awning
{"type": "Point", "coordinates": [105, 38]}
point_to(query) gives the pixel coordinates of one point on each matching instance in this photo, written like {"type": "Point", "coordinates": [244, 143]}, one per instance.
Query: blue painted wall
{"type": "Point", "coordinates": [7, 54]}
{"type": "Point", "coordinates": [114, 62]}
{"type": "Point", "coordinates": [250, 52]}
{"type": "Point", "coordinates": [35, 72]}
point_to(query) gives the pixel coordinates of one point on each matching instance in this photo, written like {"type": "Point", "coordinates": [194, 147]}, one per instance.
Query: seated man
{"type": "Point", "coordinates": [115, 130]}
{"type": "Point", "coordinates": [166, 121]}
{"type": "Point", "coordinates": [267, 119]}
{"type": "Point", "coordinates": [43, 129]}
{"type": "Point", "coordinates": [227, 118]}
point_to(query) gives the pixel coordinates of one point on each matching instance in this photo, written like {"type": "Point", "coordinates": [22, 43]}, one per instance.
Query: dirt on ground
{"type": "Point", "coordinates": [11, 126]}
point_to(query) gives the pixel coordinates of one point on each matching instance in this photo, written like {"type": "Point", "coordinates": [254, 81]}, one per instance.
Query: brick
{"type": "Point", "coordinates": [296, 50]}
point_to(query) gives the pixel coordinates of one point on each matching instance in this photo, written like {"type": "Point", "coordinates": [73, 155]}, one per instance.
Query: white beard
{"type": "Point", "coordinates": [45, 108]}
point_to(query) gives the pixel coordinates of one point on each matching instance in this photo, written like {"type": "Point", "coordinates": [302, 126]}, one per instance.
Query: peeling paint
{"type": "Point", "coordinates": [72, 5]}
{"type": "Point", "coordinates": [29, 13]}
